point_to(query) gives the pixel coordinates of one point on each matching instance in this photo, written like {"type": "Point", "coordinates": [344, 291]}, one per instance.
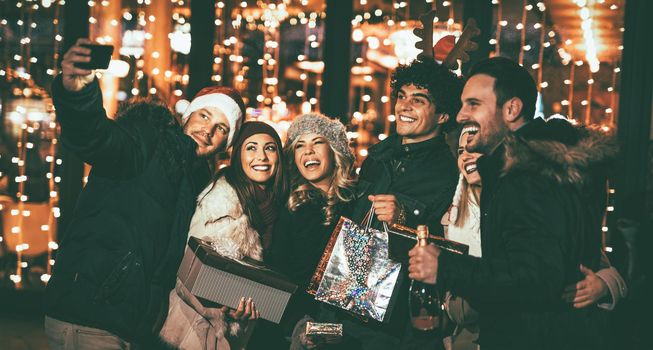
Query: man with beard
{"type": "Point", "coordinates": [409, 178]}
{"type": "Point", "coordinates": [119, 258]}
{"type": "Point", "coordinates": [538, 217]}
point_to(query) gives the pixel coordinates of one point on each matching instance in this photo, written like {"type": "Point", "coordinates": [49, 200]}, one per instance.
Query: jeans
{"type": "Point", "coordinates": [68, 336]}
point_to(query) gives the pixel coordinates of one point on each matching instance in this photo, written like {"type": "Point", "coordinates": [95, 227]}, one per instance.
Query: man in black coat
{"type": "Point", "coordinates": [537, 225]}
{"type": "Point", "coordinates": [118, 260]}
{"type": "Point", "coordinates": [411, 175]}
{"type": "Point", "coordinates": [410, 178]}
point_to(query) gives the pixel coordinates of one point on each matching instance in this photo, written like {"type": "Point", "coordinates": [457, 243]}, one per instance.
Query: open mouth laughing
{"type": "Point", "coordinates": [311, 164]}
{"type": "Point", "coordinates": [470, 129]}
{"type": "Point", "coordinates": [470, 168]}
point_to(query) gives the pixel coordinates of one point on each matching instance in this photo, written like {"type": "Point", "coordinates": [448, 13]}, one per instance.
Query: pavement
{"type": "Point", "coordinates": [21, 320]}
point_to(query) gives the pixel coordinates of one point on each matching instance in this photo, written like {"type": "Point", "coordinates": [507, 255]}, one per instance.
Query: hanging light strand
{"type": "Point", "coordinates": [570, 108]}
{"type": "Point", "coordinates": [497, 47]}
{"type": "Point", "coordinates": [218, 49]}
{"type": "Point", "coordinates": [22, 33]}
{"type": "Point", "coordinates": [540, 58]}
{"type": "Point", "coordinates": [588, 107]}
{"type": "Point", "coordinates": [523, 33]}
{"type": "Point", "coordinates": [451, 19]}
{"type": "Point", "coordinates": [20, 194]}
{"type": "Point", "coordinates": [57, 38]}
{"type": "Point", "coordinates": [53, 202]}
{"type": "Point", "coordinates": [613, 95]}
{"type": "Point", "coordinates": [588, 36]}
{"type": "Point", "coordinates": [28, 39]}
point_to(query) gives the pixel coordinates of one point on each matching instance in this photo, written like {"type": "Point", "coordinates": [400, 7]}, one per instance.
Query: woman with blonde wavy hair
{"type": "Point", "coordinates": [319, 167]}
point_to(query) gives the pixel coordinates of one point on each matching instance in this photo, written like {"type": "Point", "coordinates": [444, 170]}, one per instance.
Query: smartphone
{"type": "Point", "coordinates": [100, 57]}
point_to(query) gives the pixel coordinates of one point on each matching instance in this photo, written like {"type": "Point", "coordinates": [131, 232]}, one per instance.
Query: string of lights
{"type": "Point", "coordinates": [521, 26]}
{"type": "Point", "coordinates": [497, 38]}
{"type": "Point", "coordinates": [588, 102]}
{"type": "Point", "coordinates": [543, 44]}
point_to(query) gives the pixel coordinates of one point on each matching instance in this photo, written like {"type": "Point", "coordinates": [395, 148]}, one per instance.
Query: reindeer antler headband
{"type": "Point", "coordinates": [459, 51]}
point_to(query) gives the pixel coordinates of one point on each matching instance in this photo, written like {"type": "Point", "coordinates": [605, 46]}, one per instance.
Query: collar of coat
{"type": "Point", "coordinates": [392, 148]}
{"type": "Point", "coordinates": [558, 150]}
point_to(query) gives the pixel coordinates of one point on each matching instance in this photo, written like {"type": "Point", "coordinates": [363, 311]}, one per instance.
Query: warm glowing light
{"type": "Point", "coordinates": [357, 35]}
{"type": "Point", "coordinates": [118, 68]}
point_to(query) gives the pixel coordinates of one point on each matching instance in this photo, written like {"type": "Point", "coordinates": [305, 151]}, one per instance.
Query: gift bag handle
{"type": "Point", "coordinates": [367, 220]}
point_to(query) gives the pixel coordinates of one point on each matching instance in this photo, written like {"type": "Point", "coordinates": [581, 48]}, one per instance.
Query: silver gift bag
{"type": "Point", "coordinates": [355, 273]}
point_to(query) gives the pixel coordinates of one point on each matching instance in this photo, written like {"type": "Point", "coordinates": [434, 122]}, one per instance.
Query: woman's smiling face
{"type": "Point", "coordinates": [467, 162]}
{"type": "Point", "coordinates": [259, 157]}
{"type": "Point", "coordinates": [314, 159]}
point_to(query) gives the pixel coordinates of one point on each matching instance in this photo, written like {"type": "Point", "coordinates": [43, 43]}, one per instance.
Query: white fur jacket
{"type": "Point", "coordinates": [219, 219]}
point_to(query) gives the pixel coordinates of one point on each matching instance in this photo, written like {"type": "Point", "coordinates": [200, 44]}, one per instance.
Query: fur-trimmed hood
{"type": "Point", "coordinates": [559, 151]}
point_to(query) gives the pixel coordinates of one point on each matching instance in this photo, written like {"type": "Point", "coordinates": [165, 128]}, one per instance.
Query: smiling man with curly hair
{"type": "Point", "coordinates": [410, 178]}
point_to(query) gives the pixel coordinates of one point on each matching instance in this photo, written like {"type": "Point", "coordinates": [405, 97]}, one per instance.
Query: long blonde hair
{"type": "Point", "coordinates": [341, 187]}
{"type": "Point", "coordinates": [460, 202]}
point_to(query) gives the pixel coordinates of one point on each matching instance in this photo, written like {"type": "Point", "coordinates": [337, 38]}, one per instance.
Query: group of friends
{"type": "Point", "coordinates": [535, 277]}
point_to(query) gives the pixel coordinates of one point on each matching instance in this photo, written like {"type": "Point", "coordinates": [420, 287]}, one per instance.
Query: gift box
{"type": "Point", "coordinates": [217, 280]}
{"type": "Point", "coordinates": [328, 333]}
{"type": "Point", "coordinates": [402, 238]}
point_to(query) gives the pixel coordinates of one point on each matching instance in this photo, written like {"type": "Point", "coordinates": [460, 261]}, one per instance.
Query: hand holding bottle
{"type": "Point", "coordinates": [423, 263]}
{"type": "Point", "coordinates": [425, 304]}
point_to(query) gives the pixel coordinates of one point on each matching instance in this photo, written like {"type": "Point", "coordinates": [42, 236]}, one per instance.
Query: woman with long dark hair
{"type": "Point", "coordinates": [235, 213]}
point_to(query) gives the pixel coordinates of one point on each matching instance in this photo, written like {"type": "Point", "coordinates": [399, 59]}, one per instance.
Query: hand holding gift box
{"type": "Point", "coordinates": [215, 279]}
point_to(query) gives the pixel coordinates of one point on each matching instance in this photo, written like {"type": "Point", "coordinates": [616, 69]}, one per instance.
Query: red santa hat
{"type": "Point", "coordinates": [224, 98]}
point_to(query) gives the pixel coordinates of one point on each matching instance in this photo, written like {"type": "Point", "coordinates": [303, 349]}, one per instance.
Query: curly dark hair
{"type": "Point", "coordinates": [443, 85]}
{"type": "Point", "coordinates": [154, 119]}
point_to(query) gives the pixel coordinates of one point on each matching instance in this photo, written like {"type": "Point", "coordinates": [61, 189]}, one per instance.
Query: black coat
{"type": "Point", "coordinates": [118, 260]}
{"type": "Point", "coordinates": [537, 226]}
{"type": "Point", "coordinates": [423, 177]}
{"type": "Point", "coordinates": [298, 243]}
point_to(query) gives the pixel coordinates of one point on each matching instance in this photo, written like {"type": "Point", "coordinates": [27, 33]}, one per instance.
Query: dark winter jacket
{"type": "Point", "coordinates": [538, 224]}
{"type": "Point", "coordinates": [298, 243]}
{"type": "Point", "coordinates": [118, 260]}
{"type": "Point", "coordinates": [423, 177]}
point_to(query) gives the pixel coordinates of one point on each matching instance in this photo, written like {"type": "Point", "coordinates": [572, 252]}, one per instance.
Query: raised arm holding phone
{"type": "Point", "coordinates": [119, 255]}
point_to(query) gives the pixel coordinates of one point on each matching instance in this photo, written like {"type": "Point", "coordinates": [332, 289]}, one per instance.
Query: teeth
{"type": "Point", "coordinates": [470, 129]}
{"type": "Point", "coordinates": [405, 119]}
{"type": "Point", "coordinates": [311, 162]}
{"type": "Point", "coordinates": [470, 168]}
{"type": "Point", "coordinates": [261, 167]}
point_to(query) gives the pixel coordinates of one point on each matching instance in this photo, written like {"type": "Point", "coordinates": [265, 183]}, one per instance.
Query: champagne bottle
{"type": "Point", "coordinates": [426, 309]}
